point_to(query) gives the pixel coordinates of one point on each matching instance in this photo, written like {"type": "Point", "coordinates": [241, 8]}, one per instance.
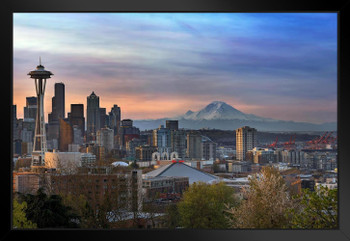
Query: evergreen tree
{"type": "Point", "coordinates": [49, 211]}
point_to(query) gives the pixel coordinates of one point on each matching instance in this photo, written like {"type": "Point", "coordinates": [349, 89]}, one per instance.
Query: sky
{"type": "Point", "coordinates": [154, 65]}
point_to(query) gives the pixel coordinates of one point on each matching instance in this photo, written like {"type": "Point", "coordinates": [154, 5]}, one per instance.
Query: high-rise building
{"type": "Point", "coordinates": [194, 146]}
{"type": "Point", "coordinates": [78, 139]}
{"type": "Point", "coordinates": [76, 117]}
{"type": "Point", "coordinates": [103, 118]}
{"type": "Point", "coordinates": [114, 119]}
{"type": "Point", "coordinates": [58, 103]}
{"type": "Point", "coordinates": [30, 109]}
{"type": "Point", "coordinates": [209, 149]}
{"type": "Point", "coordinates": [127, 132]}
{"type": "Point", "coordinates": [172, 125]}
{"type": "Point", "coordinates": [14, 123]}
{"type": "Point", "coordinates": [93, 115]}
{"type": "Point", "coordinates": [178, 142]}
{"type": "Point", "coordinates": [30, 112]}
{"type": "Point", "coordinates": [162, 138]}
{"type": "Point", "coordinates": [58, 112]}
{"type": "Point", "coordinates": [246, 139]}
{"type": "Point", "coordinates": [104, 137]}
{"type": "Point", "coordinates": [66, 135]}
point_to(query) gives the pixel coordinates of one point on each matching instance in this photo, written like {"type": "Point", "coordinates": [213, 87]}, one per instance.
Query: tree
{"type": "Point", "coordinates": [266, 202]}
{"type": "Point", "coordinates": [203, 206]}
{"type": "Point", "coordinates": [315, 210]}
{"type": "Point", "coordinates": [19, 216]}
{"type": "Point", "coordinates": [48, 211]}
{"type": "Point", "coordinates": [173, 216]}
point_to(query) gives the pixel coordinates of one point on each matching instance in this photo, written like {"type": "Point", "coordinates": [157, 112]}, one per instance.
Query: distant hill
{"type": "Point", "coordinates": [219, 115]}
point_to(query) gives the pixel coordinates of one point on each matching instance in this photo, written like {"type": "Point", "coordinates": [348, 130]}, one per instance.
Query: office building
{"type": "Point", "coordinates": [127, 132]}
{"type": "Point", "coordinates": [93, 116]}
{"type": "Point", "coordinates": [105, 137]}
{"type": "Point", "coordinates": [65, 135]}
{"type": "Point", "coordinates": [114, 119]}
{"type": "Point", "coordinates": [28, 122]}
{"type": "Point", "coordinates": [30, 109]}
{"type": "Point", "coordinates": [246, 139]}
{"type": "Point", "coordinates": [103, 118]}
{"type": "Point", "coordinates": [58, 111]}
{"type": "Point", "coordinates": [76, 117]}
{"type": "Point", "coordinates": [162, 139]}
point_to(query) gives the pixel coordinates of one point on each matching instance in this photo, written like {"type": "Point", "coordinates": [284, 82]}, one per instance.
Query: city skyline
{"type": "Point", "coordinates": [281, 66]}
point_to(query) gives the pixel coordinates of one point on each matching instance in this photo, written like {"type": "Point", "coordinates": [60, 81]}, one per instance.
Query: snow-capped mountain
{"type": "Point", "coordinates": [218, 110]}
{"type": "Point", "coordinates": [219, 115]}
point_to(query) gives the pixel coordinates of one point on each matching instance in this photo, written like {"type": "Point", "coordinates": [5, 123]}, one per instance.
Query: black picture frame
{"type": "Point", "coordinates": [340, 7]}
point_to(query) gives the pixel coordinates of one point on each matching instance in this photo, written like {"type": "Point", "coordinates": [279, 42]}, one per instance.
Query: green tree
{"type": "Point", "coordinates": [266, 202]}
{"type": "Point", "coordinates": [315, 210]}
{"type": "Point", "coordinates": [173, 216]}
{"type": "Point", "coordinates": [49, 211]}
{"type": "Point", "coordinates": [203, 206]}
{"type": "Point", "coordinates": [19, 216]}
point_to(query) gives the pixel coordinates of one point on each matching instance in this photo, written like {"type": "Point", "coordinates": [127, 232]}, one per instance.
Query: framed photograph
{"type": "Point", "coordinates": [182, 120]}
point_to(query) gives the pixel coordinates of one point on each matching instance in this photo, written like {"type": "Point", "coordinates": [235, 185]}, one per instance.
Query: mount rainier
{"type": "Point", "coordinates": [219, 115]}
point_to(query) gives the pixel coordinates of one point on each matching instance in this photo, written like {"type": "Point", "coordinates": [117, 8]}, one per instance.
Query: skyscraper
{"type": "Point", "coordinates": [93, 115]}
{"type": "Point", "coordinates": [114, 119]}
{"type": "Point", "coordinates": [103, 118]}
{"type": "Point", "coordinates": [104, 137]}
{"type": "Point", "coordinates": [30, 109]}
{"type": "Point", "coordinates": [246, 139]}
{"type": "Point", "coordinates": [58, 111]}
{"type": "Point", "coordinates": [127, 132]}
{"type": "Point", "coordinates": [66, 135]}
{"type": "Point", "coordinates": [14, 123]}
{"type": "Point", "coordinates": [76, 117]}
{"type": "Point", "coordinates": [162, 138]}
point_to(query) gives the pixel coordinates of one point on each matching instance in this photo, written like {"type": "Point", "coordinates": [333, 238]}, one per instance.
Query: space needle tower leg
{"type": "Point", "coordinates": [39, 147]}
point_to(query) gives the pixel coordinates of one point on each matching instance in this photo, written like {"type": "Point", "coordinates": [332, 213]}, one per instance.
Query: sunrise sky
{"type": "Point", "coordinates": [153, 65]}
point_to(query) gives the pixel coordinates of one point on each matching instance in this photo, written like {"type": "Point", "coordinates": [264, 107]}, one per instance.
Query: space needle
{"type": "Point", "coordinates": [39, 148]}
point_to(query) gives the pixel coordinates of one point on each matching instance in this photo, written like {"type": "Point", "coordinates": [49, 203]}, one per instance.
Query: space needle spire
{"type": "Point", "coordinates": [39, 147]}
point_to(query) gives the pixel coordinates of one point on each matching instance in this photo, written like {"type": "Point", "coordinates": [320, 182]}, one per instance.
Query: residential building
{"type": "Point", "coordinates": [194, 146]}
{"type": "Point", "coordinates": [246, 139]}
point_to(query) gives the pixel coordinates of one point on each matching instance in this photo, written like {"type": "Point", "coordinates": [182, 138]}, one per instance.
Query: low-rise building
{"type": "Point", "coordinates": [154, 186]}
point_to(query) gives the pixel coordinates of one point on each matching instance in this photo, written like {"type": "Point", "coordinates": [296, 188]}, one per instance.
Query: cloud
{"type": "Point", "coordinates": [246, 58]}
